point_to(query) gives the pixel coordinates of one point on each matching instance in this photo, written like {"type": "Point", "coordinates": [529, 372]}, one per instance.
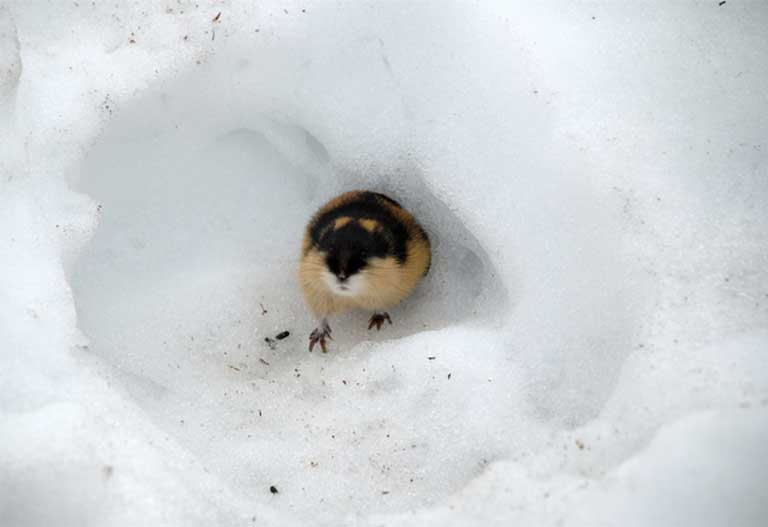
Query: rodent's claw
{"type": "Point", "coordinates": [378, 319]}
{"type": "Point", "coordinates": [319, 335]}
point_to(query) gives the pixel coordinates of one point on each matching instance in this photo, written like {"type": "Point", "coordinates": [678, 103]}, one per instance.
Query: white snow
{"type": "Point", "coordinates": [590, 348]}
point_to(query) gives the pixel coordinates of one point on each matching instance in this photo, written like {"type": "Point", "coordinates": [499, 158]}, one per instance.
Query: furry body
{"type": "Point", "coordinates": [361, 250]}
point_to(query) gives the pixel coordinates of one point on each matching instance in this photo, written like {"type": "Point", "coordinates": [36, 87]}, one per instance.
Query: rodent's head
{"type": "Point", "coordinates": [349, 247]}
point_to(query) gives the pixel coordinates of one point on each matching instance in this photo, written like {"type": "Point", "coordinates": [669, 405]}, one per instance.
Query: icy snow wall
{"type": "Point", "coordinates": [590, 346]}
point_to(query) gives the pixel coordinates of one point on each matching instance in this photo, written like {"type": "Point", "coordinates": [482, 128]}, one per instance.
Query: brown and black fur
{"type": "Point", "coordinates": [369, 239]}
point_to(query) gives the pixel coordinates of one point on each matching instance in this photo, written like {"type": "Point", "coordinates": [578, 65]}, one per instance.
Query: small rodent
{"type": "Point", "coordinates": [361, 250]}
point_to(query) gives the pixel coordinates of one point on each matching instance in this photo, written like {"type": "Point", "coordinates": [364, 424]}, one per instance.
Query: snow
{"type": "Point", "coordinates": [590, 348]}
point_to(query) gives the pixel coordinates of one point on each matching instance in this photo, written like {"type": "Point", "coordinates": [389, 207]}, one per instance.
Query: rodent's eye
{"type": "Point", "coordinates": [363, 254]}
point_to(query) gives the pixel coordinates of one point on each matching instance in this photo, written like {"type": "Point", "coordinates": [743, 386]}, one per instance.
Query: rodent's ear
{"type": "Point", "coordinates": [370, 225]}
{"type": "Point", "coordinates": [338, 223]}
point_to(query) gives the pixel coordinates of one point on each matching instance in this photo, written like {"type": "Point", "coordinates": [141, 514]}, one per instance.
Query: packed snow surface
{"type": "Point", "coordinates": [590, 347]}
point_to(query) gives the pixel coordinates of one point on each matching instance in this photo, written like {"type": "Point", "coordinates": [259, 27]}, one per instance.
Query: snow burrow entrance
{"type": "Point", "coordinates": [193, 266]}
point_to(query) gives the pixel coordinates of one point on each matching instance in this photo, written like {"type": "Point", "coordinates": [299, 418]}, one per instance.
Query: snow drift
{"type": "Point", "coordinates": [590, 345]}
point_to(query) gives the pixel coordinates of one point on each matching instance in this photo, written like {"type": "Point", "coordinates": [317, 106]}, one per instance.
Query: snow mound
{"type": "Point", "coordinates": [590, 345]}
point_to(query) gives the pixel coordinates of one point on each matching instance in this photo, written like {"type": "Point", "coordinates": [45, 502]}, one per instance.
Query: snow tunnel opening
{"type": "Point", "coordinates": [192, 269]}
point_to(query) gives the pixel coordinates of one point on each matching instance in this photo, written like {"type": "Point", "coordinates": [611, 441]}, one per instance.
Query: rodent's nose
{"type": "Point", "coordinates": [342, 276]}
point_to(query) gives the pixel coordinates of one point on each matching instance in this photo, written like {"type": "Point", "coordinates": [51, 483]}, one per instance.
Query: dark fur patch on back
{"type": "Point", "coordinates": [367, 205]}
{"type": "Point", "coordinates": [426, 239]}
{"type": "Point", "coordinates": [386, 198]}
